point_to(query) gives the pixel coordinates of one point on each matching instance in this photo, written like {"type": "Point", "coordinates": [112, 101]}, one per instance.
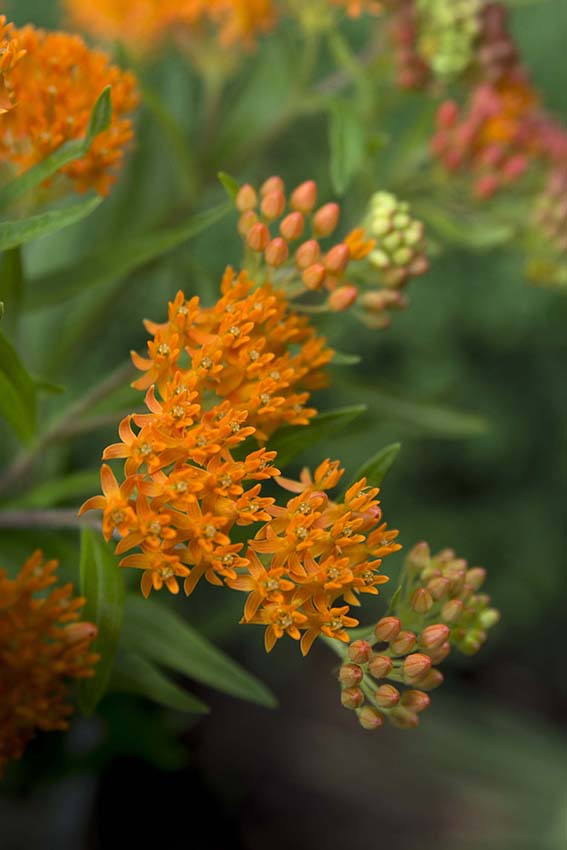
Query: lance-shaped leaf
{"type": "Point", "coordinates": [18, 393]}
{"type": "Point", "coordinates": [102, 584]}
{"type": "Point", "coordinates": [230, 185]}
{"type": "Point", "coordinates": [157, 633]}
{"type": "Point", "coordinates": [346, 142]}
{"type": "Point", "coordinates": [117, 261]}
{"type": "Point", "coordinates": [19, 232]}
{"type": "Point", "coordinates": [99, 121]}
{"type": "Point", "coordinates": [56, 491]}
{"type": "Point", "coordinates": [376, 469]}
{"type": "Point", "coordinates": [136, 675]}
{"type": "Point", "coordinates": [289, 442]}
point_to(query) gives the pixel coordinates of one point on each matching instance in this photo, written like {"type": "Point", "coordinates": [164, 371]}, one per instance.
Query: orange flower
{"type": "Point", "coordinates": [55, 86]}
{"type": "Point", "coordinates": [10, 54]}
{"type": "Point", "coordinates": [42, 646]}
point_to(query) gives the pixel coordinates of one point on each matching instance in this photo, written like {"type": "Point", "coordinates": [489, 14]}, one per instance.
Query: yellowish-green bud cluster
{"type": "Point", "coordinates": [400, 245]}
{"type": "Point", "coordinates": [448, 32]}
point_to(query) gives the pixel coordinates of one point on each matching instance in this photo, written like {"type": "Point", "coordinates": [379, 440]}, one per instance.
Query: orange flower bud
{"type": "Point", "coordinates": [422, 601]}
{"type": "Point", "coordinates": [258, 237]}
{"type": "Point", "coordinates": [277, 252]}
{"type": "Point", "coordinates": [431, 680]}
{"type": "Point", "coordinates": [337, 259]}
{"type": "Point", "coordinates": [452, 610]}
{"type": "Point", "coordinates": [246, 222]}
{"type": "Point", "coordinates": [342, 298]}
{"type": "Point", "coordinates": [379, 666]}
{"type": "Point", "coordinates": [415, 700]}
{"type": "Point", "coordinates": [438, 587]}
{"type": "Point", "coordinates": [387, 629]}
{"type": "Point", "coordinates": [359, 651]}
{"type": "Point", "coordinates": [314, 276]}
{"type": "Point", "coordinates": [77, 632]}
{"type": "Point", "coordinates": [387, 696]}
{"type": "Point", "coordinates": [416, 665]}
{"type": "Point", "coordinates": [404, 643]}
{"type": "Point", "coordinates": [475, 577]}
{"type": "Point", "coordinates": [350, 675]}
{"type": "Point", "coordinates": [404, 718]}
{"type": "Point", "coordinates": [369, 717]}
{"type": "Point", "coordinates": [352, 698]}
{"type": "Point", "coordinates": [304, 197]}
{"type": "Point", "coordinates": [272, 184]}
{"type": "Point", "coordinates": [247, 198]}
{"type": "Point", "coordinates": [291, 227]}
{"type": "Point", "coordinates": [273, 205]}
{"type": "Point", "coordinates": [375, 300]}
{"type": "Point", "coordinates": [307, 254]}
{"type": "Point", "coordinates": [434, 636]}
{"type": "Point", "coordinates": [326, 219]}
{"type": "Point", "coordinates": [440, 654]}
{"type": "Point", "coordinates": [420, 556]}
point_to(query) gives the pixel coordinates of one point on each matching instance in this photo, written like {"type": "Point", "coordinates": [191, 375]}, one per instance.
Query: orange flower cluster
{"type": "Point", "coordinates": [143, 24]}
{"type": "Point", "coordinates": [42, 646]}
{"type": "Point", "coordinates": [10, 54]}
{"type": "Point", "coordinates": [437, 607]}
{"type": "Point", "coordinates": [54, 87]}
{"type": "Point", "coordinates": [312, 554]}
{"type": "Point", "coordinates": [223, 374]}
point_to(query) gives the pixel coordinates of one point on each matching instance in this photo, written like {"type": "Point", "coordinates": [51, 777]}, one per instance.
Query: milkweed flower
{"type": "Point", "coordinates": [213, 378]}
{"type": "Point", "coordinates": [389, 674]}
{"type": "Point", "coordinates": [11, 53]}
{"type": "Point", "coordinates": [54, 86]}
{"type": "Point", "coordinates": [43, 647]}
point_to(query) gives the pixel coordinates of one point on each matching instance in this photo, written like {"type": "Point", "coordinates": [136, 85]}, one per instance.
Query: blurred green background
{"type": "Point", "coordinates": [487, 768]}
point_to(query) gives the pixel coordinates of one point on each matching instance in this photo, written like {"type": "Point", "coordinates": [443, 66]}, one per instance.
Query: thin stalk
{"type": "Point", "coordinates": [45, 519]}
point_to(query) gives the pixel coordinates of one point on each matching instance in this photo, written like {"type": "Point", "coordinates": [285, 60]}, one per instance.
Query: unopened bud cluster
{"type": "Point", "coordinates": [448, 33]}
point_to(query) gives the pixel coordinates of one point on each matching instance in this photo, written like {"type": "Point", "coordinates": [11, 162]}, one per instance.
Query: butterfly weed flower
{"type": "Point", "coordinates": [11, 53]}
{"type": "Point", "coordinates": [43, 648]}
{"type": "Point", "coordinates": [54, 86]}
{"type": "Point", "coordinates": [438, 607]}
{"type": "Point", "coordinates": [214, 377]}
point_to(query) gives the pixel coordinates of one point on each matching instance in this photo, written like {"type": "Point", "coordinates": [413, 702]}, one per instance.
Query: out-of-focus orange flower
{"type": "Point", "coordinates": [142, 24]}
{"type": "Point", "coordinates": [355, 8]}
{"type": "Point", "coordinates": [42, 647]}
{"type": "Point", "coordinates": [54, 87]}
{"type": "Point", "coordinates": [11, 53]}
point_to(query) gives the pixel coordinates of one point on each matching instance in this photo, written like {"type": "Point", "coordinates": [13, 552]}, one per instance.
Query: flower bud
{"type": "Point", "coordinates": [434, 636]}
{"type": "Point", "coordinates": [307, 254]}
{"type": "Point", "coordinates": [258, 237]}
{"type": "Point", "coordinates": [386, 696]}
{"type": "Point", "coordinates": [247, 198]}
{"type": "Point", "coordinates": [438, 587]}
{"type": "Point", "coordinates": [473, 641]}
{"type": "Point", "coordinates": [342, 298]}
{"type": "Point", "coordinates": [416, 665]}
{"type": "Point", "coordinates": [337, 259]}
{"type": "Point", "coordinates": [314, 276]}
{"type": "Point", "coordinates": [370, 718]}
{"type": "Point", "coordinates": [404, 643]}
{"type": "Point", "coordinates": [419, 557]}
{"type": "Point", "coordinates": [440, 653]}
{"type": "Point", "coordinates": [350, 675]}
{"type": "Point", "coordinates": [387, 629]}
{"type": "Point", "coordinates": [422, 601]}
{"type": "Point", "coordinates": [277, 252]}
{"type": "Point", "coordinates": [246, 222]}
{"type": "Point", "coordinates": [451, 611]}
{"type": "Point", "coordinates": [431, 680]}
{"type": "Point", "coordinates": [404, 718]}
{"type": "Point", "coordinates": [447, 115]}
{"type": "Point", "coordinates": [359, 651]}
{"type": "Point", "coordinates": [489, 618]}
{"type": "Point", "coordinates": [415, 700]}
{"type": "Point", "coordinates": [475, 577]}
{"type": "Point", "coordinates": [352, 698]}
{"type": "Point", "coordinates": [78, 632]}
{"type": "Point", "coordinates": [304, 197]}
{"type": "Point", "coordinates": [273, 205]}
{"type": "Point", "coordinates": [291, 227]}
{"type": "Point", "coordinates": [379, 666]}
{"type": "Point", "coordinates": [272, 184]}
{"type": "Point", "coordinates": [326, 219]}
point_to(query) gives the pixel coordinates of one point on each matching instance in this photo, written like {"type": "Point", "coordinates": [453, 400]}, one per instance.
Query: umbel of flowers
{"type": "Point", "coordinates": [437, 607]}
{"type": "Point", "coordinates": [290, 241]}
{"type": "Point", "coordinates": [43, 648]}
{"type": "Point", "coordinates": [49, 85]}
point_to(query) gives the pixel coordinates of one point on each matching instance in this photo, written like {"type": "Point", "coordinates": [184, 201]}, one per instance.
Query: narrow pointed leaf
{"type": "Point", "coordinates": [230, 185]}
{"type": "Point", "coordinates": [73, 487]}
{"type": "Point", "coordinates": [346, 143]}
{"type": "Point", "coordinates": [376, 469]}
{"type": "Point", "coordinates": [18, 393]}
{"type": "Point", "coordinates": [159, 634]}
{"type": "Point", "coordinates": [102, 584]}
{"type": "Point", "coordinates": [289, 442]}
{"type": "Point", "coordinates": [19, 232]}
{"type": "Point", "coordinates": [341, 358]}
{"type": "Point", "coordinates": [135, 674]}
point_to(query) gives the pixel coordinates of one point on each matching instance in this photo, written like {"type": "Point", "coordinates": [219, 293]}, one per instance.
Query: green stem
{"type": "Point", "coordinates": [44, 519]}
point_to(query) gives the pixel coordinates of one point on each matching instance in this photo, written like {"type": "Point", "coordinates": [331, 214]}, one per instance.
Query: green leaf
{"type": "Point", "coordinates": [341, 358]}
{"type": "Point", "coordinates": [230, 184]}
{"type": "Point", "coordinates": [102, 584]}
{"type": "Point", "coordinates": [432, 418]}
{"type": "Point", "coordinates": [376, 469]}
{"type": "Point", "coordinates": [346, 142]}
{"type": "Point", "coordinates": [135, 674]}
{"type": "Point", "coordinates": [159, 634]}
{"type": "Point", "coordinates": [99, 121]}
{"type": "Point", "coordinates": [291, 441]}
{"type": "Point", "coordinates": [118, 260]}
{"type": "Point", "coordinates": [59, 490]}
{"type": "Point", "coordinates": [12, 283]}
{"type": "Point", "coordinates": [471, 233]}
{"type": "Point", "coordinates": [14, 233]}
{"type": "Point", "coordinates": [18, 394]}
